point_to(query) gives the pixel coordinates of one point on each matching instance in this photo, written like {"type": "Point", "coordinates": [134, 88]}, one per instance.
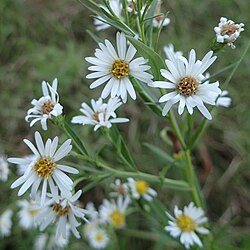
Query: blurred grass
{"type": "Point", "coordinates": [42, 39]}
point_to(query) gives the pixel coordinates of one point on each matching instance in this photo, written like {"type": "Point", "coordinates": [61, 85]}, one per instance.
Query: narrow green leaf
{"type": "Point", "coordinates": [159, 152]}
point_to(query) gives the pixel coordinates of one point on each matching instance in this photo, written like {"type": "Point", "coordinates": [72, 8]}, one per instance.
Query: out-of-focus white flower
{"type": "Point", "coordinates": [49, 242]}
{"type": "Point", "coordinates": [159, 21]}
{"type": "Point", "coordinates": [64, 212]}
{"type": "Point", "coordinates": [223, 99]}
{"type": "Point", "coordinates": [46, 107]}
{"type": "Point", "coordinates": [4, 169]}
{"type": "Point", "coordinates": [43, 169]}
{"type": "Point", "coordinates": [186, 224]}
{"type": "Point", "coordinates": [98, 238]}
{"type": "Point", "coordinates": [116, 68]}
{"type": "Point", "coordinates": [184, 78]}
{"type": "Point", "coordinates": [101, 114]}
{"type": "Point", "coordinates": [119, 188]}
{"type": "Point", "coordinates": [114, 212]}
{"type": "Point", "coordinates": [5, 223]}
{"type": "Point", "coordinates": [116, 7]}
{"type": "Point", "coordinates": [141, 188]}
{"type": "Point", "coordinates": [170, 49]}
{"type": "Point", "coordinates": [131, 6]}
{"type": "Point", "coordinates": [29, 210]}
{"type": "Point", "coordinates": [228, 31]}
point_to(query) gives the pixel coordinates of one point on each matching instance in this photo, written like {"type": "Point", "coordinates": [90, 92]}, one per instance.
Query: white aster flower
{"type": "Point", "coordinates": [185, 78]}
{"type": "Point", "coordinates": [227, 31]}
{"type": "Point", "coordinates": [186, 224]}
{"type": "Point", "coordinates": [170, 49]}
{"type": "Point", "coordinates": [101, 114]}
{"type": "Point", "coordinates": [64, 212]}
{"type": "Point", "coordinates": [43, 169]}
{"type": "Point", "coordinates": [98, 238]}
{"type": "Point", "coordinates": [114, 212]}
{"type": "Point", "coordinates": [29, 210]}
{"type": "Point", "coordinates": [49, 242]}
{"type": "Point", "coordinates": [160, 21]}
{"type": "Point", "coordinates": [141, 188]}
{"type": "Point", "coordinates": [116, 7]}
{"type": "Point", "coordinates": [119, 188]}
{"type": "Point", "coordinates": [115, 68]}
{"type": "Point", "coordinates": [223, 99]}
{"type": "Point", "coordinates": [4, 169]}
{"type": "Point", "coordinates": [46, 107]}
{"type": "Point", "coordinates": [5, 223]}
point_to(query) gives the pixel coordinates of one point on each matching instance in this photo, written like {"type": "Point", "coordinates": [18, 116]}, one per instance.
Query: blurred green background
{"type": "Point", "coordinates": [42, 39]}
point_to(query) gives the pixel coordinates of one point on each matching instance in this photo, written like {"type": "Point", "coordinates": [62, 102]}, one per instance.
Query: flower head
{"type": "Point", "coordinates": [101, 114]}
{"type": "Point", "coordinates": [64, 212]}
{"type": "Point", "coordinates": [29, 210]}
{"type": "Point", "coordinates": [119, 188]}
{"type": "Point", "coordinates": [115, 68]}
{"type": "Point", "coordinates": [43, 168]}
{"type": "Point", "coordinates": [46, 107]}
{"type": "Point", "coordinates": [98, 238]}
{"type": "Point", "coordinates": [4, 169]}
{"type": "Point", "coordinates": [5, 223]}
{"type": "Point", "coordinates": [185, 78]}
{"type": "Point", "coordinates": [227, 31]}
{"type": "Point", "coordinates": [159, 19]}
{"type": "Point", "coordinates": [115, 212]}
{"type": "Point", "coordinates": [142, 189]}
{"type": "Point", "coordinates": [116, 7]}
{"type": "Point", "coordinates": [186, 224]}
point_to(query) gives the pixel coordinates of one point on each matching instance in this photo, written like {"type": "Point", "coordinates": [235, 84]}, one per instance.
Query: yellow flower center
{"type": "Point", "coordinates": [34, 212]}
{"type": "Point", "coordinates": [120, 69]}
{"type": "Point", "coordinates": [141, 187]}
{"type": "Point", "coordinates": [47, 107]}
{"type": "Point", "coordinates": [229, 29]}
{"type": "Point", "coordinates": [44, 167]}
{"type": "Point", "coordinates": [185, 223]}
{"type": "Point", "coordinates": [187, 86]}
{"type": "Point", "coordinates": [59, 210]}
{"type": "Point", "coordinates": [99, 237]}
{"type": "Point", "coordinates": [117, 218]}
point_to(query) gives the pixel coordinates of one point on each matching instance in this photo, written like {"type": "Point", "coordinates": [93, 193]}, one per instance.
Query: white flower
{"type": "Point", "coordinates": [116, 7]}
{"type": "Point", "coordinates": [43, 169]}
{"type": "Point", "coordinates": [101, 114]}
{"type": "Point", "coordinates": [64, 212]}
{"type": "Point", "coordinates": [29, 210]}
{"type": "Point", "coordinates": [5, 223]}
{"type": "Point", "coordinates": [223, 99]}
{"type": "Point", "coordinates": [98, 238]}
{"type": "Point", "coordinates": [186, 223]}
{"type": "Point", "coordinates": [116, 68]}
{"type": "Point", "coordinates": [114, 213]}
{"type": "Point", "coordinates": [22, 167]}
{"type": "Point", "coordinates": [185, 77]}
{"type": "Point", "coordinates": [4, 169]}
{"type": "Point", "coordinates": [46, 242]}
{"type": "Point", "coordinates": [141, 188]}
{"type": "Point", "coordinates": [46, 107]}
{"type": "Point", "coordinates": [227, 31]}
{"type": "Point", "coordinates": [160, 21]}
{"type": "Point", "coordinates": [170, 49]}
{"type": "Point", "coordinates": [119, 188]}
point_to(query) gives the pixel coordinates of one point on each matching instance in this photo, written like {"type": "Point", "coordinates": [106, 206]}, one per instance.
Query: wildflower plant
{"type": "Point", "coordinates": [136, 68]}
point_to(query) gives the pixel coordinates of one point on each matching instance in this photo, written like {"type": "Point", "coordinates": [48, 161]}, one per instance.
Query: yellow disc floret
{"type": "Point", "coordinates": [141, 187]}
{"type": "Point", "coordinates": [59, 210]}
{"type": "Point", "coordinates": [187, 86]}
{"type": "Point", "coordinates": [185, 223]}
{"type": "Point", "coordinates": [44, 167]}
{"type": "Point", "coordinates": [120, 69]}
{"type": "Point", "coordinates": [117, 218]}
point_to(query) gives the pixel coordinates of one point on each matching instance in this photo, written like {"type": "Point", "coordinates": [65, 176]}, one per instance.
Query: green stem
{"type": "Point", "coordinates": [193, 182]}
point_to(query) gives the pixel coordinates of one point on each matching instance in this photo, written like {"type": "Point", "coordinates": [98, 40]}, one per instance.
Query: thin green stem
{"type": "Point", "coordinates": [192, 179]}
